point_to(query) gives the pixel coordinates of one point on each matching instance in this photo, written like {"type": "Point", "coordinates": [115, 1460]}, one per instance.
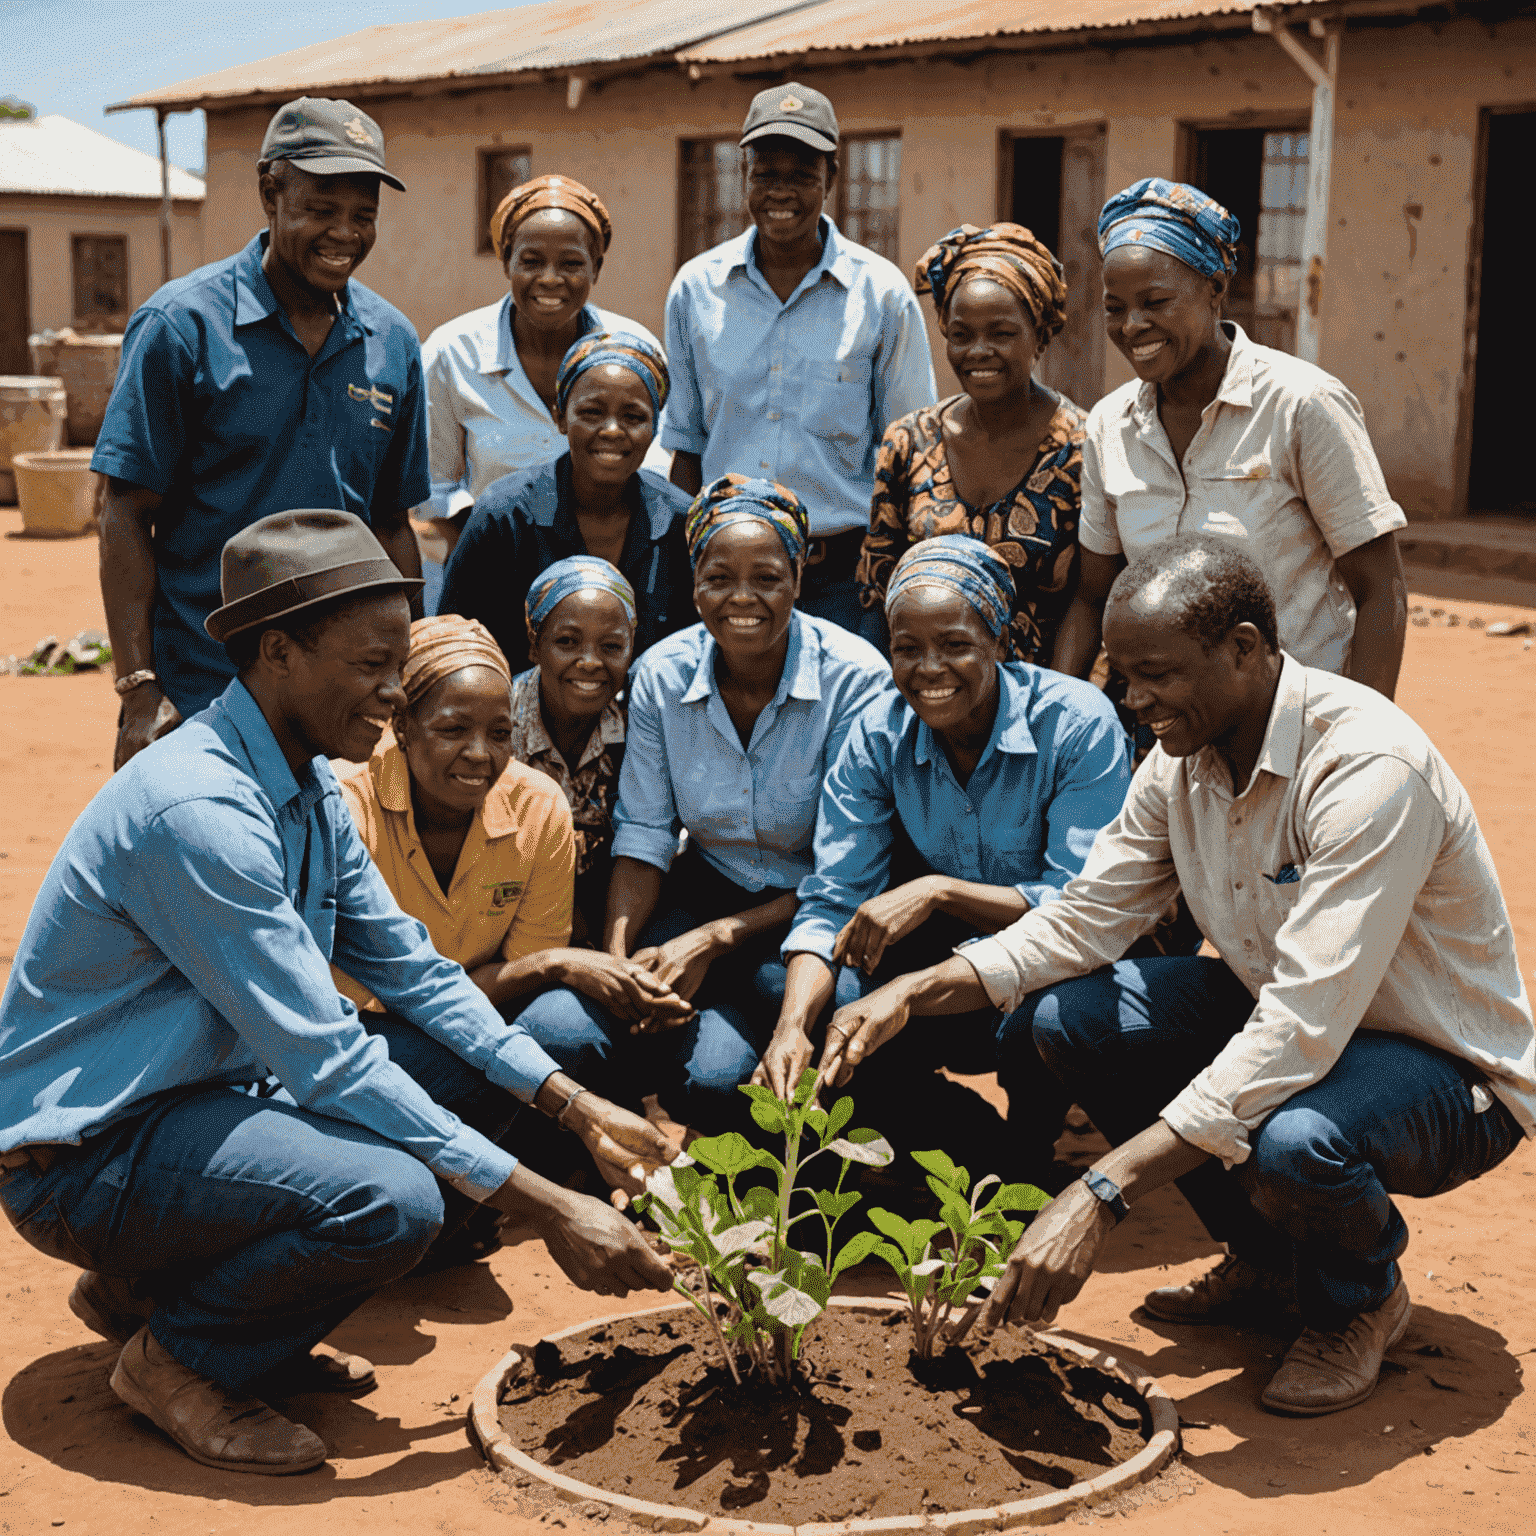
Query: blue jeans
{"type": "Point", "coordinates": [255, 1225]}
{"type": "Point", "coordinates": [1312, 1200]}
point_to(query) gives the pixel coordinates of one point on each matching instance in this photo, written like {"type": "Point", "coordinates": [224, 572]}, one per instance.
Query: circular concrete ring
{"type": "Point", "coordinates": [1045, 1509]}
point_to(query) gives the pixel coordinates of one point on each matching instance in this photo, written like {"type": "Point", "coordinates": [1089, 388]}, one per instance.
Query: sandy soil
{"type": "Point", "coordinates": [1447, 1444]}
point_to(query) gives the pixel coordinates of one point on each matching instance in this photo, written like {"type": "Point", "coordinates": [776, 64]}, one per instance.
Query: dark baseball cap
{"type": "Point", "coordinates": [792, 112]}
{"type": "Point", "coordinates": [327, 138]}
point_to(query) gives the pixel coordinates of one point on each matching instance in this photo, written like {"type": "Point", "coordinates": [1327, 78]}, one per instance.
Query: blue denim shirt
{"type": "Point", "coordinates": [751, 812]}
{"type": "Point", "coordinates": [183, 936]}
{"type": "Point", "coordinates": [219, 408]}
{"type": "Point", "coordinates": [799, 392]}
{"type": "Point", "coordinates": [1055, 770]}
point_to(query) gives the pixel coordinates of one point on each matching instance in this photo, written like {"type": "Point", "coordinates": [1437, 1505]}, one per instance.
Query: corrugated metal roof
{"type": "Point", "coordinates": [56, 156]}
{"type": "Point", "coordinates": [857, 25]}
{"type": "Point", "coordinates": [557, 35]}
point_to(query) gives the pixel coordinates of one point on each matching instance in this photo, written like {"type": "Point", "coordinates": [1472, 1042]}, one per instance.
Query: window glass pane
{"type": "Point", "coordinates": [100, 276]}
{"type": "Point", "coordinates": [711, 204]}
{"type": "Point", "coordinates": [1278, 240]}
{"type": "Point", "coordinates": [869, 192]}
{"type": "Point", "coordinates": [500, 171]}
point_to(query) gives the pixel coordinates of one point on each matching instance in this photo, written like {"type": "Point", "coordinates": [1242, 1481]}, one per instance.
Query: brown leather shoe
{"type": "Point", "coordinates": [221, 1429]}
{"type": "Point", "coordinates": [1233, 1289]}
{"type": "Point", "coordinates": [107, 1305]}
{"type": "Point", "coordinates": [1323, 1372]}
{"type": "Point", "coordinates": [349, 1374]}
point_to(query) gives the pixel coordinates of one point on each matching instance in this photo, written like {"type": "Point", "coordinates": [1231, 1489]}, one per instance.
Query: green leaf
{"type": "Point", "coordinates": [839, 1116]}
{"type": "Point", "coordinates": [738, 1238]}
{"type": "Point", "coordinates": [768, 1115]}
{"type": "Point", "coordinates": [867, 1147]}
{"type": "Point", "coordinates": [729, 1154]}
{"type": "Point", "coordinates": [783, 1301]}
{"type": "Point", "coordinates": [944, 1168]}
{"type": "Point", "coordinates": [817, 1120]}
{"type": "Point", "coordinates": [757, 1094]}
{"type": "Point", "coordinates": [760, 1204]}
{"type": "Point", "coordinates": [956, 1213]}
{"type": "Point", "coordinates": [834, 1207]}
{"type": "Point", "coordinates": [912, 1236]}
{"type": "Point", "coordinates": [884, 1250]}
{"type": "Point", "coordinates": [859, 1248]}
{"type": "Point", "coordinates": [1018, 1197]}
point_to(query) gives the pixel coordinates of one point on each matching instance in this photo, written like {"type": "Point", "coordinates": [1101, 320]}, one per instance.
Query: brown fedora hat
{"type": "Point", "coordinates": [292, 560]}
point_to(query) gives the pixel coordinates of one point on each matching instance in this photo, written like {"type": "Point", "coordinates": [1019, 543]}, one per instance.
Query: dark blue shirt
{"type": "Point", "coordinates": [219, 408]}
{"type": "Point", "coordinates": [184, 935]}
{"type": "Point", "coordinates": [527, 520]}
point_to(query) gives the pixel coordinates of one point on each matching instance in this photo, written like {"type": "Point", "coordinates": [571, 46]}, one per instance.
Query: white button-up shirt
{"type": "Point", "coordinates": [1348, 885]}
{"type": "Point", "coordinates": [484, 417]}
{"type": "Point", "coordinates": [1281, 466]}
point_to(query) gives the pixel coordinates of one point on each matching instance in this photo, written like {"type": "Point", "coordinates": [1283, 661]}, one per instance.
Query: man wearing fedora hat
{"type": "Point", "coordinates": [792, 347]}
{"type": "Point", "coordinates": [180, 948]}
{"type": "Point", "coordinates": [271, 379]}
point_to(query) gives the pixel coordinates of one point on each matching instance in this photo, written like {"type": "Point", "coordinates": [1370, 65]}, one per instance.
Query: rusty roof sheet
{"type": "Point", "coordinates": [557, 35]}
{"type": "Point", "coordinates": [58, 157]}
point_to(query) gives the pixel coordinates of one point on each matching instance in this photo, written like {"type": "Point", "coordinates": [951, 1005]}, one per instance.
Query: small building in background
{"type": "Point", "coordinates": [80, 231]}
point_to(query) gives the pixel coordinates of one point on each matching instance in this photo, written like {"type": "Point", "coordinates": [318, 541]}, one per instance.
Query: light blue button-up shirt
{"type": "Point", "coordinates": [1055, 770]}
{"type": "Point", "coordinates": [183, 936]}
{"type": "Point", "coordinates": [799, 392]}
{"type": "Point", "coordinates": [750, 811]}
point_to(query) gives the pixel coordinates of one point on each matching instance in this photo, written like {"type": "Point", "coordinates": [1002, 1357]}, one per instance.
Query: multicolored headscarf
{"type": "Point", "coordinates": [576, 573]}
{"type": "Point", "coordinates": [1007, 253]}
{"type": "Point", "coordinates": [734, 497]}
{"type": "Point", "coordinates": [441, 646]}
{"type": "Point", "coordinates": [965, 565]}
{"type": "Point", "coordinates": [1175, 218]}
{"type": "Point", "coordinates": [646, 362]}
{"type": "Point", "coordinates": [549, 192]}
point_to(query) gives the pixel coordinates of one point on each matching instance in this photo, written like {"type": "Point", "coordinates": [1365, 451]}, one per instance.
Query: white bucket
{"type": "Point", "coordinates": [57, 492]}
{"type": "Point", "coordinates": [32, 415]}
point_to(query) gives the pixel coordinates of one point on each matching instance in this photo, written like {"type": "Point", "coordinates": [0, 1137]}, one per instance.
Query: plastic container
{"type": "Point", "coordinates": [31, 421]}
{"type": "Point", "coordinates": [57, 492]}
{"type": "Point", "coordinates": [88, 367]}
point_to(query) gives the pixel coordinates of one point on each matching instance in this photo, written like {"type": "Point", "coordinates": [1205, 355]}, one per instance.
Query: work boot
{"type": "Point", "coordinates": [222, 1429]}
{"type": "Point", "coordinates": [1323, 1372]}
{"type": "Point", "coordinates": [1234, 1289]}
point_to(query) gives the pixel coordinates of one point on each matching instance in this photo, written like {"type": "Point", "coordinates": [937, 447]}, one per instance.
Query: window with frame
{"type": "Point", "coordinates": [711, 205]}
{"type": "Point", "coordinates": [499, 171]}
{"type": "Point", "coordinates": [868, 192]}
{"type": "Point", "coordinates": [100, 277]}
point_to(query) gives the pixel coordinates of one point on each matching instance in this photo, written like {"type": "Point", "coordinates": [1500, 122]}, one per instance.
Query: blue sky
{"type": "Point", "coordinates": [76, 56]}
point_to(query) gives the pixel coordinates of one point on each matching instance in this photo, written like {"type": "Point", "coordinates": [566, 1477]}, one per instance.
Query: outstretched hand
{"type": "Point", "coordinates": [1052, 1261]}
{"type": "Point", "coordinates": [860, 1029]}
{"type": "Point", "coordinates": [602, 1251]}
{"type": "Point", "coordinates": [880, 922]}
{"type": "Point", "coordinates": [626, 1147]}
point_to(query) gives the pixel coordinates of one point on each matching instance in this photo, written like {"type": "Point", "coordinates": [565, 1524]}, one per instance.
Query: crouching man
{"type": "Point", "coordinates": [1365, 1032]}
{"type": "Point", "coordinates": [180, 949]}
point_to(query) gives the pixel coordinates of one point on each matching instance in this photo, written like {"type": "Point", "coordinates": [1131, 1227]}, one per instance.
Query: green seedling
{"type": "Point", "coordinates": [742, 1242]}
{"type": "Point", "coordinates": [980, 1240]}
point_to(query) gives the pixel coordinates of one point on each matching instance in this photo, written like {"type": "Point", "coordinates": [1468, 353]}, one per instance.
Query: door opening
{"type": "Point", "coordinates": [15, 308]}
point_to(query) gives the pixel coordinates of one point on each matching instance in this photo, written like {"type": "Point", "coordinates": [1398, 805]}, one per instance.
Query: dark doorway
{"type": "Point", "coordinates": [1501, 479]}
{"type": "Point", "coordinates": [15, 308]}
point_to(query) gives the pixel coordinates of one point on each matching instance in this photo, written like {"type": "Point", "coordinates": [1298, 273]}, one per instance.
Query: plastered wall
{"type": "Point", "coordinates": [1395, 311]}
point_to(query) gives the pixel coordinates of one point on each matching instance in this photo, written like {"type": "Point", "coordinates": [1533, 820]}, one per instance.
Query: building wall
{"type": "Point", "coordinates": [50, 223]}
{"type": "Point", "coordinates": [1395, 312]}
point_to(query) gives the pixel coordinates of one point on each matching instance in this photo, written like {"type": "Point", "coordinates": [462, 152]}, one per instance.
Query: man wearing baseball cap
{"type": "Point", "coordinates": [180, 948]}
{"type": "Point", "coordinates": [270, 379]}
{"type": "Point", "coordinates": [792, 348]}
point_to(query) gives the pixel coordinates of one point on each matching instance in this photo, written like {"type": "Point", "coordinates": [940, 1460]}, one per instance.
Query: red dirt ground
{"type": "Point", "coordinates": [1447, 1444]}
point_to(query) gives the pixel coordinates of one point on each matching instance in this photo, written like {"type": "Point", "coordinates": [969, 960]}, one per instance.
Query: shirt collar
{"type": "Point", "coordinates": [529, 717]}
{"type": "Point", "coordinates": [836, 257]}
{"type": "Point", "coordinates": [392, 783]}
{"type": "Point", "coordinates": [1280, 751]}
{"type": "Point", "coordinates": [255, 301]}
{"type": "Point", "coordinates": [268, 765]}
{"type": "Point", "coordinates": [1010, 730]}
{"type": "Point", "coordinates": [496, 348]}
{"type": "Point", "coordinates": [800, 679]}
{"type": "Point", "coordinates": [1236, 386]}
{"type": "Point", "coordinates": [650, 506]}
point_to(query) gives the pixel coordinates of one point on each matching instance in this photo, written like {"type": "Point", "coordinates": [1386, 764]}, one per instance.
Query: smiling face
{"type": "Point", "coordinates": [1160, 313]}
{"type": "Point", "coordinates": [786, 183]}
{"type": "Point", "coordinates": [745, 589]}
{"type": "Point", "coordinates": [944, 660]}
{"type": "Point", "coordinates": [321, 228]}
{"type": "Point", "coordinates": [990, 341]}
{"type": "Point", "coordinates": [551, 267]}
{"type": "Point", "coordinates": [457, 738]}
{"type": "Point", "coordinates": [609, 424]}
{"type": "Point", "coordinates": [583, 654]}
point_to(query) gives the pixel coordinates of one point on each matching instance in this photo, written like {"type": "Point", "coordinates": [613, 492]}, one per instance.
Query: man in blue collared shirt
{"type": "Point", "coordinates": [180, 947]}
{"type": "Point", "coordinates": [268, 380]}
{"type": "Point", "coordinates": [792, 348]}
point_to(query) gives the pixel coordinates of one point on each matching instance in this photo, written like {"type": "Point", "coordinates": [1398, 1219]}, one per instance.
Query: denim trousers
{"type": "Point", "coordinates": [255, 1225]}
{"type": "Point", "coordinates": [1313, 1198]}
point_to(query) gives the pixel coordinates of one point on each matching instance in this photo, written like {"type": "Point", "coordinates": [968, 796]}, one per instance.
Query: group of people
{"type": "Point", "coordinates": [704, 777]}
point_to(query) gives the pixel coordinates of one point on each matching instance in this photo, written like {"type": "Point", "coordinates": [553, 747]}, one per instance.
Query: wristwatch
{"type": "Point", "coordinates": [128, 684]}
{"type": "Point", "coordinates": [1109, 1192]}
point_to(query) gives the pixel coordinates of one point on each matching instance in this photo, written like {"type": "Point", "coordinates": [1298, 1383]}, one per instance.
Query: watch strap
{"type": "Point", "coordinates": [1109, 1192]}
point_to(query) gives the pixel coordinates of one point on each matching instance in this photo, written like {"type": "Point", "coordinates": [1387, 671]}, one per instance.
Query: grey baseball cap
{"type": "Point", "coordinates": [792, 112]}
{"type": "Point", "coordinates": [327, 138]}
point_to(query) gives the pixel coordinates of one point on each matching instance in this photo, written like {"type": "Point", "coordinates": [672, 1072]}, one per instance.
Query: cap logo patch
{"type": "Point", "coordinates": [358, 133]}
{"type": "Point", "coordinates": [791, 104]}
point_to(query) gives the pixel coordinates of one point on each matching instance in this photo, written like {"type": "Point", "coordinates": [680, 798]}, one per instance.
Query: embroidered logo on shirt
{"type": "Point", "coordinates": [358, 133]}
{"type": "Point", "coordinates": [1287, 876]}
{"type": "Point", "coordinates": [506, 893]}
{"type": "Point", "coordinates": [380, 399]}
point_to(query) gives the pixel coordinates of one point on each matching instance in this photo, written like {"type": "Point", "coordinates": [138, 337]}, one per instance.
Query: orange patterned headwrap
{"type": "Point", "coordinates": [549, 192]}
{"type": "Point", "coordinates": [1008, 254]}
{"type": "Point", "coordinates": [441, 646]}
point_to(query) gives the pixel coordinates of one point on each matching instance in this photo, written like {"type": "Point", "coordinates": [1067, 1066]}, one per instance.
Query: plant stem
{"type": "Point", "coordinates": [714, 1322]}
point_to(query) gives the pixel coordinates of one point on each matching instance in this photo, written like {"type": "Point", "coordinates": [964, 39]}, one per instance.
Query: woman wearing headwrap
{"type": "Point", "coordinates": [491, 373]}
{"type": "Point", "coordinates": [1000, 462]}
{"type": "Point", "coordinates": [992, 777]}
{"type": "Point", "coordinates": [733, 724]}
{"type": "Point", "coordinates": [1221, 436]}
{"type": "Point", "coordinates": [595, 499]}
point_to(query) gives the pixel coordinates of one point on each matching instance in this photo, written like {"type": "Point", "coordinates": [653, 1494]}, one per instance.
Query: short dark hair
{"type": "Point", "coordinates": [1205, 585]}
{"type": "Point", "coordinates": [303, 628]}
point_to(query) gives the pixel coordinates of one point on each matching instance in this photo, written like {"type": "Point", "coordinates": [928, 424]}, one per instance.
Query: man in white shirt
{"type": "Point", "coordinates": [1364, 1033]}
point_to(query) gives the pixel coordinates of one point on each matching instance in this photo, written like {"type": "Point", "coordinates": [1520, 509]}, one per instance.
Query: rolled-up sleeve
{"type": "Point", "coordinates": [645, 819]}
{"type": "Point", "coordinates": [1096, 528]}
{"type": "Point", "coordinates": [1340, 474]}
{"type": "Point", "coordinates": [684, 429]}
{"type": "Point", "coordinates": [143, 435]}
{"type": "Point", "coordinates": [1373, 831]}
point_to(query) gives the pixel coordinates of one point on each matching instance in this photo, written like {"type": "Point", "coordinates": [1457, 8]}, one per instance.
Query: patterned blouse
{"type": "Point", "coordinates": [592, 789]}
{"type": "Point", "coordinates": [1034, 528]}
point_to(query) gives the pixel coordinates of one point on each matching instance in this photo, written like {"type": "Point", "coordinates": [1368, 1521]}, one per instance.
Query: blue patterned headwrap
{"type": "Point", "coordinates": [576, 573]}
{"type": "Point", "coordinates": [731, 497]}
{"type": "Point", "coordinates": [963, 564]}
{"type": "Point", "coordinates": [1173, 217]}
{"type": "Point", "coordinates": [647, 363]}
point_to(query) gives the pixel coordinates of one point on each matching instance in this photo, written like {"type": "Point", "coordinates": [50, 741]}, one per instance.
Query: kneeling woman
{"type": "Point", "coordinates": [732, 727]}
{"type": "Point", "coordinates": [997, 775]}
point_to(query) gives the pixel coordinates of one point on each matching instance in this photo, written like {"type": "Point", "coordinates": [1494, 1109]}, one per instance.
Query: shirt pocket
{"type": "Point", "coordinates": [834, 405]}
{"type": "Point", "coordinates": [786, 816]}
